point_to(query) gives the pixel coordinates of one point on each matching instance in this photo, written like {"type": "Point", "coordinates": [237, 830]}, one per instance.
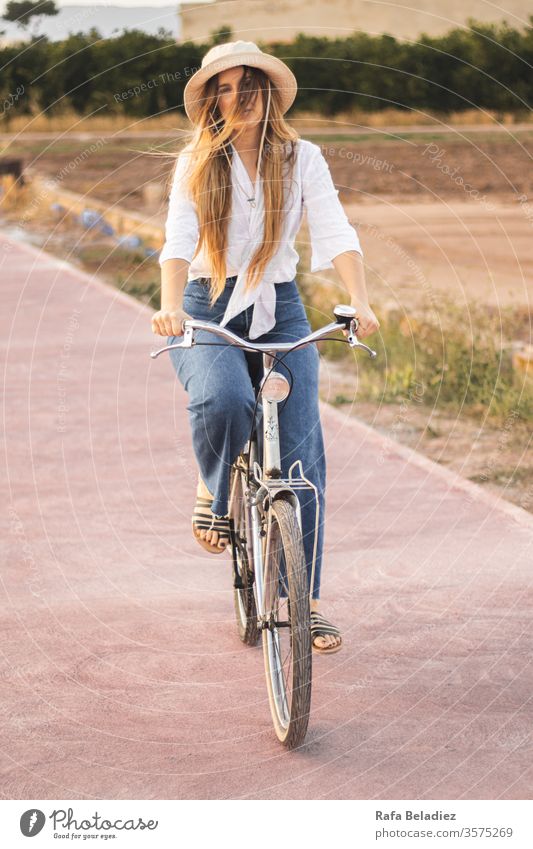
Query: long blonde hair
{"type": "Point", "coordinates": [209, 177]}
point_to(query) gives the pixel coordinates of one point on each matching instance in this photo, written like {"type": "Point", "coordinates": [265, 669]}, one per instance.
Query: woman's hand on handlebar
{"type": "Point", "coordinates": [368, 322]}
{"type": "Point", "coordinates": [169, 322]}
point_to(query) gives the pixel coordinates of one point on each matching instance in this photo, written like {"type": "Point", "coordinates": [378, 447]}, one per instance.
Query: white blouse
{"type": "Point", "coordinates": [312, 190]}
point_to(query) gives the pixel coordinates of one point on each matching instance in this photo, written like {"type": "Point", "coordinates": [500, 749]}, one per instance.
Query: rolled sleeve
{"type": "Point", "coordinates": [181, 227]}
{"type": "Point", "coordinates": [330, 231]}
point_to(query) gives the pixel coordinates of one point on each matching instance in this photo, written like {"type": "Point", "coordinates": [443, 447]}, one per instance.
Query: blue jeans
{"type": "Point", "coordinates": [220, 387]}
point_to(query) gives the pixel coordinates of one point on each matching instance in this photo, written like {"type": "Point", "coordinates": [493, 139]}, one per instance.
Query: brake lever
{"type": "Point", "coordinates": [354, 342]}
{"type": "Point", "coordinates": [187, 341]}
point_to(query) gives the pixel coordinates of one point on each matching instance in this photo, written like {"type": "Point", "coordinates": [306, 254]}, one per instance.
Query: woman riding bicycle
{"type": "Point", "coordinates": [238, 193]}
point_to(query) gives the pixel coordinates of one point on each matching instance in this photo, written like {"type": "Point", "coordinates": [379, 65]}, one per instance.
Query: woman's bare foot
{"type": "Point", "coordinates": [210, 536]}
{"type": "Point", "coordinates": [327, 641]}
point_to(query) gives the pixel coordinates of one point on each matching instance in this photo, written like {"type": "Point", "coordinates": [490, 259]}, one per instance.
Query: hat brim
{"type": "Point", "coordinates": [280, 74]}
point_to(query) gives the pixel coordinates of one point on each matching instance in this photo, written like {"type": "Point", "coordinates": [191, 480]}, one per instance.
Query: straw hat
{"type": "Point", "coordinates": [231, 55]}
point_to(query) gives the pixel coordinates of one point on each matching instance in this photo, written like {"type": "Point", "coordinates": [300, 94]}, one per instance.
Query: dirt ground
{"type": "Point", "coordinates": [417, 252]}
{"type": "Point", "coordinates": [429, 167]}
{"type": "Point", "coordinates": [436, 215]}
{"type": "Point", "coordinates": [409, 166]}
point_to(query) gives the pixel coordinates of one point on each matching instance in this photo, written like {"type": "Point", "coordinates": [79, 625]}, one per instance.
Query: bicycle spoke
{"type": "Point", "coordinates": [288, 656]}
{"type": "Point", "coordinates": [286, 678]}
{"type": "Point", "coordinates": [284, 585]}
{"type": "Point", "coordinates": [283, 653]}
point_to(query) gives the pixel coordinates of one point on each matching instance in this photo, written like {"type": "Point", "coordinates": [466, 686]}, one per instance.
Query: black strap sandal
{"type": "Point", "coordinates": [320, 627]}
{"type": "Point", "coordinates": [204, 519]}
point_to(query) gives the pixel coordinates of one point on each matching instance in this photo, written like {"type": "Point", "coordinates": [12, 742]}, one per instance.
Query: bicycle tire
{"type": "Point", "coordinates": [243, 597]}
{"type": "Point", "coordinates": [289, 694]}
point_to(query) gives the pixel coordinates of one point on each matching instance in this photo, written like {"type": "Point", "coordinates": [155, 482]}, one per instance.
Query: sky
{"type": "Point", "coordinates": [80, 15]}
{"type": "Point", "coordinates": [108, 18]}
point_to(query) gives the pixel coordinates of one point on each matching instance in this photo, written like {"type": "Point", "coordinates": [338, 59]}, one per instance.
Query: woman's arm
{"type": "Point", "coordinates": [350, 268]}
{"type": "Point", "coordinates": [181, 237]}
{"type": "Point", "coordinates": [167, 321]}
{"type": "Point", "coordinates": [334, 241]}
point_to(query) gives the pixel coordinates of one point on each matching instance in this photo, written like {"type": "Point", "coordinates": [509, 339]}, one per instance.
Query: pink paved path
{"type": "Point", "coordinates": [121, 671]}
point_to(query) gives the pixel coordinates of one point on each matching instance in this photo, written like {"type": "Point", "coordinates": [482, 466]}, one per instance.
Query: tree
{"type": "Point", "coordinates": [25, 13]}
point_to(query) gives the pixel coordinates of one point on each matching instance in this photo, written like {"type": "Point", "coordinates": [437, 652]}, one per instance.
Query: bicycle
{"type": "Point", "coordinates": [270, 582]}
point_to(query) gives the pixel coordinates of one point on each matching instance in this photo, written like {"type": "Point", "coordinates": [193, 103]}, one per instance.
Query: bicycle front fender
{"type": "Point", "coordinates": [271, 491]}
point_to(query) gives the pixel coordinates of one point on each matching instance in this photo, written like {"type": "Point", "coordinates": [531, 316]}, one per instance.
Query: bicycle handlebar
{"type": "Point", "coordinates": [346, 320]}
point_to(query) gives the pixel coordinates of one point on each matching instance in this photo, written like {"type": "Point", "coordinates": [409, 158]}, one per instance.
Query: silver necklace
{"type": "Point", "coordinates": [251, 200]}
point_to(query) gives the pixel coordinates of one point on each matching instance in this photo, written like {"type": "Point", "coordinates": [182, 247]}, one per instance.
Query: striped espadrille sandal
{"type": "Point", "coordinates": [320, 627]}
{"type": "Point", "coordinates": [204, 519]}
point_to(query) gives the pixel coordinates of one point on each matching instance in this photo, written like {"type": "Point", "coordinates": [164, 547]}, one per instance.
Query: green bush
{"type": "Point", "coordinates": [452, 360]}
{"type": "Point", "coordinates": [483, 66]}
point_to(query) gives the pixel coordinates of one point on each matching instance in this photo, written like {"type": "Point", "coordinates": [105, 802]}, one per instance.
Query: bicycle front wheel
{"type": "Point", "coordinates": [287, 630]}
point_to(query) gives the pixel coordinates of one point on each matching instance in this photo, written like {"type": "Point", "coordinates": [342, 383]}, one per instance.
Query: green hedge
{"type": "Point", "coordinates": [486, 66]}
